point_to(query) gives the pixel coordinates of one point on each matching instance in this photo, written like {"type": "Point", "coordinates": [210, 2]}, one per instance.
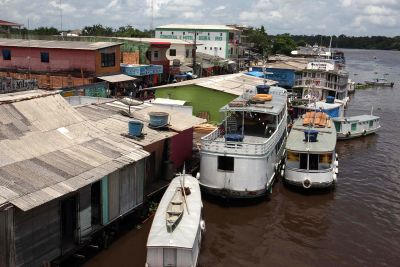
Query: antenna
{"type": "Point", "coordinates": [152, 14]}
{"type": "Point", "coordinates": [61, 24]}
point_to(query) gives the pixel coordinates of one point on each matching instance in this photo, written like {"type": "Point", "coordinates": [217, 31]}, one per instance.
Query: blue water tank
{"type": "Point", "coordinates": [311, 135]}
{"type": "Point", "coordinates": [262, 89]}
{"type": "Point", "coordinates": [330, 99]}
{"type": "Point", "coordinates": [135, 128]}
{"type": "Point", "coordinates": [158, 119]}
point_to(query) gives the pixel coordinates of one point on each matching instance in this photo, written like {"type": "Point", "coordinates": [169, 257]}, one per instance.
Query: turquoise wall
{"type": "Point", "coordinates": [201, 98]}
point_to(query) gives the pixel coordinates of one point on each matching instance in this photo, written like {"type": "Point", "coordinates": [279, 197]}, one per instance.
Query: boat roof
{"type": "Point", "coordinates": [360, 118]}
{"type": "Point", "coordinates": [185, 233]}
{"type": "Point", "coordinates": [323, 105]}
{"type": "Point", "coordinates": [326, 139]}
{"type": "Point", "coordinates": [275, 106]}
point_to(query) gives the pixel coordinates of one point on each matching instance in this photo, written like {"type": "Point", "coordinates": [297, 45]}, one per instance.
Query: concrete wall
{"type": "Point", "coordinates": [59, 60]}
{"type": "Point", "coordinates": [195, 96]}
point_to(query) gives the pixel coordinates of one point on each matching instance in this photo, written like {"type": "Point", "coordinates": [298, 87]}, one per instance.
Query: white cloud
{"type": "Point", "coordinates": [351, 17]}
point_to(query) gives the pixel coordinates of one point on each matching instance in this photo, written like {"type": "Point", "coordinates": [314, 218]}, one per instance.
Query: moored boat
{"type": "Point", "coordinates": [380, 82]}
{"type": "Point", "coordinates": [356, 126]}
{"type": "Point", "coordinates": [177, 230]}
{"type": "Point", "coordinates": [252, 137]}
{"type": "Point", "coordinates": [311, 161]}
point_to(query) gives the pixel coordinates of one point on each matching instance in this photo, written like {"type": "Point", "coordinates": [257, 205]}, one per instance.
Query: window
{"type": "Point", "coordinates": [172, 52]}
{"type": "Point", "coordinates": [226, 163]}
{"type": "Point", "coordinates": [155, 54]}
{"type": "Point", "coordinates": [220, 48]}
{"type": "Point", "coordinates": [205, 48]}
{"type": "Point", "coordinates": [220, 34]}
{"type": "Point", "coordinates": [6, 54]}
{"type": "Point", "coordinates": [160, 32]}
{"type": "Point", "coordinates": [187, 52]}
{"type": "Point", "coordinates": [107, 59]}
{"type": "Point", "coordinates": [354, 126]}
{"type": "Point", "coordinates": [44, 57]}
{"type": "Point", "coordinates": [371, 124]}
{"type": "Point", "coordinates": [172, 33]}
{"type": "Point", "coordinates": [303, 161]}
{"type": "Point", "coordinates": [325, 161]}
{"type": "Point", "coordinates": [231, 50]}
{"type": "Point", "coordinates": [208, 34]}
{"type": "Point", "coordinates": [210, 48]}
{"type": "Point", "coordinates": [183, 33]}
{"type": "Point", "coordinates": [313, 162]}
{"type": "Point", "coordinates": [337, 126]}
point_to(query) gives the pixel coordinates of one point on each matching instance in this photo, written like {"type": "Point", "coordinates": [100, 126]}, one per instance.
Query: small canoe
{"type": "Point", "coordinates": [175, 210]}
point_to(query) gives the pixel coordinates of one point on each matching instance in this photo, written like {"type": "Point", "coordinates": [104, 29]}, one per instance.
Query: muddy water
{"type": "Point", "coordinates": [358, 224]}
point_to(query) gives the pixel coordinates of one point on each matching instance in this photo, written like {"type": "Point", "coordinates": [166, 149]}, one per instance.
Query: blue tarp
{"type": "Point", "coordinates": [258, 74]}
{"type": "Point", "coordinates": [333, 113]}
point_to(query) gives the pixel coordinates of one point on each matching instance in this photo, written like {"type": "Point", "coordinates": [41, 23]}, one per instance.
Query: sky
{"type": "Point", "coordinates": [327, 17]}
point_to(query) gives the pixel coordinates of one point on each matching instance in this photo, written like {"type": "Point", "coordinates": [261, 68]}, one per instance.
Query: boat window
{"type": "Point", "coordinates": [293, 160]}
{"type": "Point", "coordinates": [371, 124]}
{"type": "Point", "coordinates": [337, 126]}
{"type": "Point", "coordinates": [226, 163]}
{"type": "Point", "coordinates": [303, 161]}
{"type": "Point", "coordinates": [354, 126]}
{"type": "Point", "coordinates": [313, 165]}
{"type": "Point", "coordinates": [325, 161]}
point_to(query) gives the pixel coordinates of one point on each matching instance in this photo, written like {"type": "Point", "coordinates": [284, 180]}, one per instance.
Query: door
{"type": "Point", "coordinates": [68, 223]}
{"type": "Point", "coordinates": [170, 257]}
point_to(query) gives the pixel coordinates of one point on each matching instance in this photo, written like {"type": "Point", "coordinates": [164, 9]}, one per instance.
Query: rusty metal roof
{"type": "Point", "coordinates": [48, 149]}
{"type": "Point", "coordinates": [53, 44]}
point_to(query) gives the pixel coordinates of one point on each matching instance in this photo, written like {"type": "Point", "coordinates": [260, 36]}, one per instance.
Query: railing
{"type": "Point", "coordinates": [309, 171]}
{"type": "Point", "coordinates": [319, 83]}
{"type": "Point", "coordinates": [210, 143]}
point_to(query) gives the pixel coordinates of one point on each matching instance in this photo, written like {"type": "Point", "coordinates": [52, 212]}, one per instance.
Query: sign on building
{"type": "Point", "coordinates": [8, 85]}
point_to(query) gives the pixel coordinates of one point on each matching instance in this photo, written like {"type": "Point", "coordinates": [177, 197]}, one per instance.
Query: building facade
{"type": "Point", "coordinates": [56, 64]}
{"type": "Point", "coordinates": [217, 40]}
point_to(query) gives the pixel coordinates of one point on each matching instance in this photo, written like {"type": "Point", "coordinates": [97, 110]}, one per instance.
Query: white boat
{"type": "Point", "coordinates": [356, 126]}
{"type": "Point", "coordinates": [380, 82]}
{"type": "Point", "coordinates": [176, 233]}
{"type": "Point", "coordinates": [311, 161]}
{"type": "Point", "coordinates": [240, 159]}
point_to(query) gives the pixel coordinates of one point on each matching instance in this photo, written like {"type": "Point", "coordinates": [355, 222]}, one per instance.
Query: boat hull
{"type": "Point", "coordinates": [252, 177]}
{"type": "Point", "coordinates": [309, 180]}
{"type": "Point", "coordinates": [347, 136]}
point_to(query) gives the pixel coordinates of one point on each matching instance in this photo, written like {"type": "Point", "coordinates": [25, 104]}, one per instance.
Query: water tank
{"type": "Point", "coordinates": [158, 119]}
{"type": "Point", "coordinates": [135, 128]}
{"type": "Point", "coordinates": [262, 89]}
{"type": "Point", "coordinates": [311, 135]}
{"type": "Point", "coordinates": [330, 99]}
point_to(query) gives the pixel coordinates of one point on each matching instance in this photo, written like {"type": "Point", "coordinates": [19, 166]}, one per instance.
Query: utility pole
{"type": "Point", "coordinates": [194, 54]}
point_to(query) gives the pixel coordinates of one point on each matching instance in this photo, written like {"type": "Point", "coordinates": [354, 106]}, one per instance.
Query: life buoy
{"type": "Point", "coordinates": [364, 132]}
{"type": "Point", "coordinates": [203, 226]}
{"type": "Point", "coordinates": [348, 134]}
{"type": "Point", "coordinates": [307, 183]}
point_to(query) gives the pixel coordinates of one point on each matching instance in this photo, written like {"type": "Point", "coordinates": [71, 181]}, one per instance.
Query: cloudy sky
{"type": "Point", "coordinates": [350, 17]}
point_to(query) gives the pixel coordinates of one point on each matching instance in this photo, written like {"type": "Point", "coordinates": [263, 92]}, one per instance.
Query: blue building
{"type": "Point", "coordinates": [284, 77]}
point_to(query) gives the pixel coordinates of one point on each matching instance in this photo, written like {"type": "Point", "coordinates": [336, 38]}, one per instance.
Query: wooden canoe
{"type": "Point", "coordinates": [175, 210]}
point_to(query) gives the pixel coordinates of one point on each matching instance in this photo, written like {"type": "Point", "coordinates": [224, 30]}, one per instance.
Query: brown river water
{"type": "Point", "coordinates": [357, 224]}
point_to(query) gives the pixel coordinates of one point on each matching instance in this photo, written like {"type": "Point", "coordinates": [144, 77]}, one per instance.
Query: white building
{"type": "Point", "coordinates": [217, 40]}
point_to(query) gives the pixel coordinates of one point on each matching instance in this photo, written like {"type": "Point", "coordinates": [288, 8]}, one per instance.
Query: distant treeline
{"type": "Point", "coordinates": [343, 41]}
{"type": "Point", "coordinates": [258, 36]}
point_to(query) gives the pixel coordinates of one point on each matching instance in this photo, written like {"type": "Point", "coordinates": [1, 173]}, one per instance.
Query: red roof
{"type": "Point", "coordinates": [8, 23]}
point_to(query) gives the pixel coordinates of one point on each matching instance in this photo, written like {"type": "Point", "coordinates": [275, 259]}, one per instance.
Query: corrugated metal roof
{"type": "Point", "coordinates": [108, 118]}
{"type": "Point", "coordinates": [152, 40]}
{"type": "Point", "coordinates": [235, 84]}
{"type": "Point", "coordinates": [117, 78]}
{"type": "Point", "coordinates": [195, 27]}
{"type": "Point", "coordinates": [179, 121]}
{"type": "Point", "coordinates": [76, 45]}
{"type": "Point", "coordinates": [48, 149]}
{"type": "Point", "coordinates": [9, 23]}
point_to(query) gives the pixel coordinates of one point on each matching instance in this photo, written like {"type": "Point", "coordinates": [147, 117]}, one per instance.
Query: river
{"type": "Point", "coordinates": [357, 224]}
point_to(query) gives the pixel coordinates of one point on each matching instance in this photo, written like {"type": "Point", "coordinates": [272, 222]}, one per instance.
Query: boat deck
{"type": "Point", "coordinates": [248, 139]}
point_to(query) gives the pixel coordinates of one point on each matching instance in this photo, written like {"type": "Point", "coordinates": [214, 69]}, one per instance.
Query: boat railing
{"type": "Point", "coordinates": [319, 82]}
{"type": "Point", "coordinates": [215, 143]}
{"type": "Point", "coordinates": [310, 171]}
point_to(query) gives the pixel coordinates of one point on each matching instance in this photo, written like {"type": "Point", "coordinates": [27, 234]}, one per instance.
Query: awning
{"type": "Point", "coordinates": [117, 78]}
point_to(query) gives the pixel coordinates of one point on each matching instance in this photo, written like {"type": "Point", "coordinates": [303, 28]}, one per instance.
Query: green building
{"type": "Point", "coordinates": [208, 95]}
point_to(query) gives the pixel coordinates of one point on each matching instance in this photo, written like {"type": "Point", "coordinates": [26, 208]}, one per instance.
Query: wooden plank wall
{"type": "Point", "coordinates": [7, 255]}
{"type": "Point", "coordinates": [37, 235]}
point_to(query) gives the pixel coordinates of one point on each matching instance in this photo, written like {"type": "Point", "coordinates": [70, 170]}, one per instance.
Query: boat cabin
{"type": "Point", "coordinates": [349, 127]}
